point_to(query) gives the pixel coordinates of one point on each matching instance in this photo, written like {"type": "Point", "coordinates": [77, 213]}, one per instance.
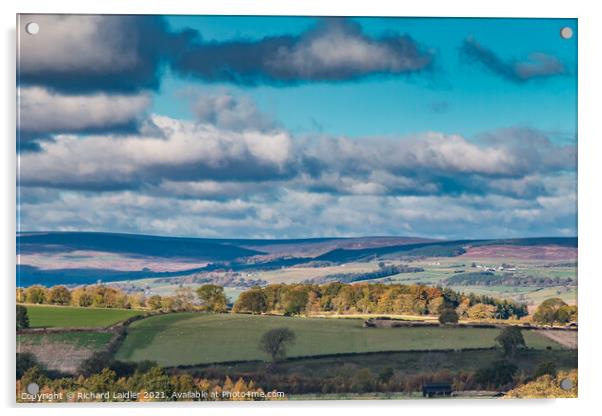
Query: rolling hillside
{"type": "Point", "coordinates": [50, 258]}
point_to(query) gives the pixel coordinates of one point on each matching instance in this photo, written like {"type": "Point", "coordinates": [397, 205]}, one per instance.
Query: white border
{"type": "Point", "coordinates": [590, 150]}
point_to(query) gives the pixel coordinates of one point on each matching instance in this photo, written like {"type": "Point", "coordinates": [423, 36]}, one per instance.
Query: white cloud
{"type": "Point", "coordinates": [188, 150]}
{"type": "Point", "coordinates": [341, 47]}
{"type": "Point", "coordinates": [299, 213]}
{"type": "Point", "coordinates": [227, 111]}
{"type": "Point", "coordinates": [45, 111]}
{"type": "Point", "coordinates": [191, 159]}
{"type": "Point", "coordinates": [76, 42]}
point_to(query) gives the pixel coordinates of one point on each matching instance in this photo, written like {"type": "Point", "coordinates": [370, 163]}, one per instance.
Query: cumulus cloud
{"type": "Point", "coordinates": [76, 53]}
{"type": "Point", "coordinates": [305, 214]}
{"type": "Point", "coordinates": [507, 153]}
{"type": "Point", "coordinates": [44, 111]}
{"type": "Point", "coordinates": [81, 53]}
{"type": "Point", "coordinates": [230, 112]}
{"type": "Point", "coordinates": [537, 66]}
{"type": "Point", "coordinates": [197, 179]}
{"type": "Point", "coordinates": [334, 50]}
{"type": "Point", "coordinates": [200, 159]}
{"type": "Point", "coordinates": [187, 151]}
{"type": "Point", "coordinates": [217, 190]}
{"type": "Point", "coordinates": [85, 82]}
{"type": "Point", "coordinates": [97, 71]}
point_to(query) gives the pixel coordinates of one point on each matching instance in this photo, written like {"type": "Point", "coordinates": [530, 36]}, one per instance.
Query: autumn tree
{"type": "Point", "coordinates": [35, 294]}
{"type": "Point", "coordinates": [167, 303]}
{"type": "Point", "coordinates": [252, 300]}
{"type": "Point", "coordinates": [137, 301]}
{"type": "Point", "coordinates": [481, 311]}
{"type": "Point", "coordinates": [103, 381]}
{"type": "Point", "coordinates": [81, 297]}
{"type": "Point", "coordinates": [296, 301]}
{"type": "Point", "coordinates": [184, 299]}
{"type": "Point", "coordinates": [155, 380]}
{"type": "Point", "coordinates": [212, 298]}
{"type": "Point", "coordinates": [276, 341]}
{"type": "Point", "coordinates": [554, 310]}
{"type": "Point", "coordinates": [59, 295]}
{"type": "Point", "coordinates": [154, 302]}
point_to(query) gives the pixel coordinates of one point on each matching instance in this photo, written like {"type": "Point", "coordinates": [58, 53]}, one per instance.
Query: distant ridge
{"type": "Point", "coordinates": [146, 245]}
{"type": "Point", "coordinates": [209, 254]}
{"type": "Point", "coordinates": [210, 249]}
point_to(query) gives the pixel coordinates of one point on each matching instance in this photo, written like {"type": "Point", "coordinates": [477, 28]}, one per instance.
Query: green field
{"type": "Point", "coordinates": [192, 338]}
{"type": "Point", "coordinates": [70, 317]}
{"type": "Point", "coordinates": [89, 340]}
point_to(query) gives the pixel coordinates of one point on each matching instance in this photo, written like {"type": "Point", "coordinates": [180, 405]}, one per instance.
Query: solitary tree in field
{"type": "Point", "coordinates": [276, 341]}
{"type": "Point", "coordinates": [22, 318]}
{"type": "Point", "coordinates": [511, 340]}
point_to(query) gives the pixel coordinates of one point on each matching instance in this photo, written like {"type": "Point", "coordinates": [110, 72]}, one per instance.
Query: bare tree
{"type": "Point", "coordinates": [276, 341]}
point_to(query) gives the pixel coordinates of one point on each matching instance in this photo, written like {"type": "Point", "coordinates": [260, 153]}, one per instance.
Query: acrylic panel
{"type": "Point", "coordinates": [274, 208]}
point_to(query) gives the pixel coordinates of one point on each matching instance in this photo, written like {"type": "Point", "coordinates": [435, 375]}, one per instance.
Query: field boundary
{"type": "Point", "coordinates": [110, 328]}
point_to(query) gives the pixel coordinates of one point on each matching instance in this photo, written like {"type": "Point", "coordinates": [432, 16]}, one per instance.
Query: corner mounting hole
{"type": "Point", "coordinates": [566, 384]}
{"type": "Point", "coordinates": [32, 28]}
{"type": "Point", "coordinates": [566, 32]}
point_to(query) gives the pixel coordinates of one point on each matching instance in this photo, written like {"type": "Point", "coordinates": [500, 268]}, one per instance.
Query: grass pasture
{"type": "Point", "coordinates": [70, 317]}
{"type": "Point", "coordinates": [189, 338]}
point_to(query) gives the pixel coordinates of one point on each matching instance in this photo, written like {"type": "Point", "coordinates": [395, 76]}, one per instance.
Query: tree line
{"type": "Point", "coordinates": [289, 299]}
{"type": "Point", "coordinates": [370, 298]}
{"type": "Point", "coordinates": [151, 385]}
{"type": "Point", "coordinates": [505, 279]}
{"type": "Point", "coordinates": [210, 298]}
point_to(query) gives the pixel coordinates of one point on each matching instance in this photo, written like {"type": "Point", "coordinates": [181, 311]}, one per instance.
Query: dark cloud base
{"type": "Point", "coordinates": [539, 66]}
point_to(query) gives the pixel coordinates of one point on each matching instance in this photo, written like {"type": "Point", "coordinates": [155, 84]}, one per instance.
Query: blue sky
{"type": "Point", "coordinates": [456, 98]}
{"type": "Point", "coordinates": [299, 127]}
